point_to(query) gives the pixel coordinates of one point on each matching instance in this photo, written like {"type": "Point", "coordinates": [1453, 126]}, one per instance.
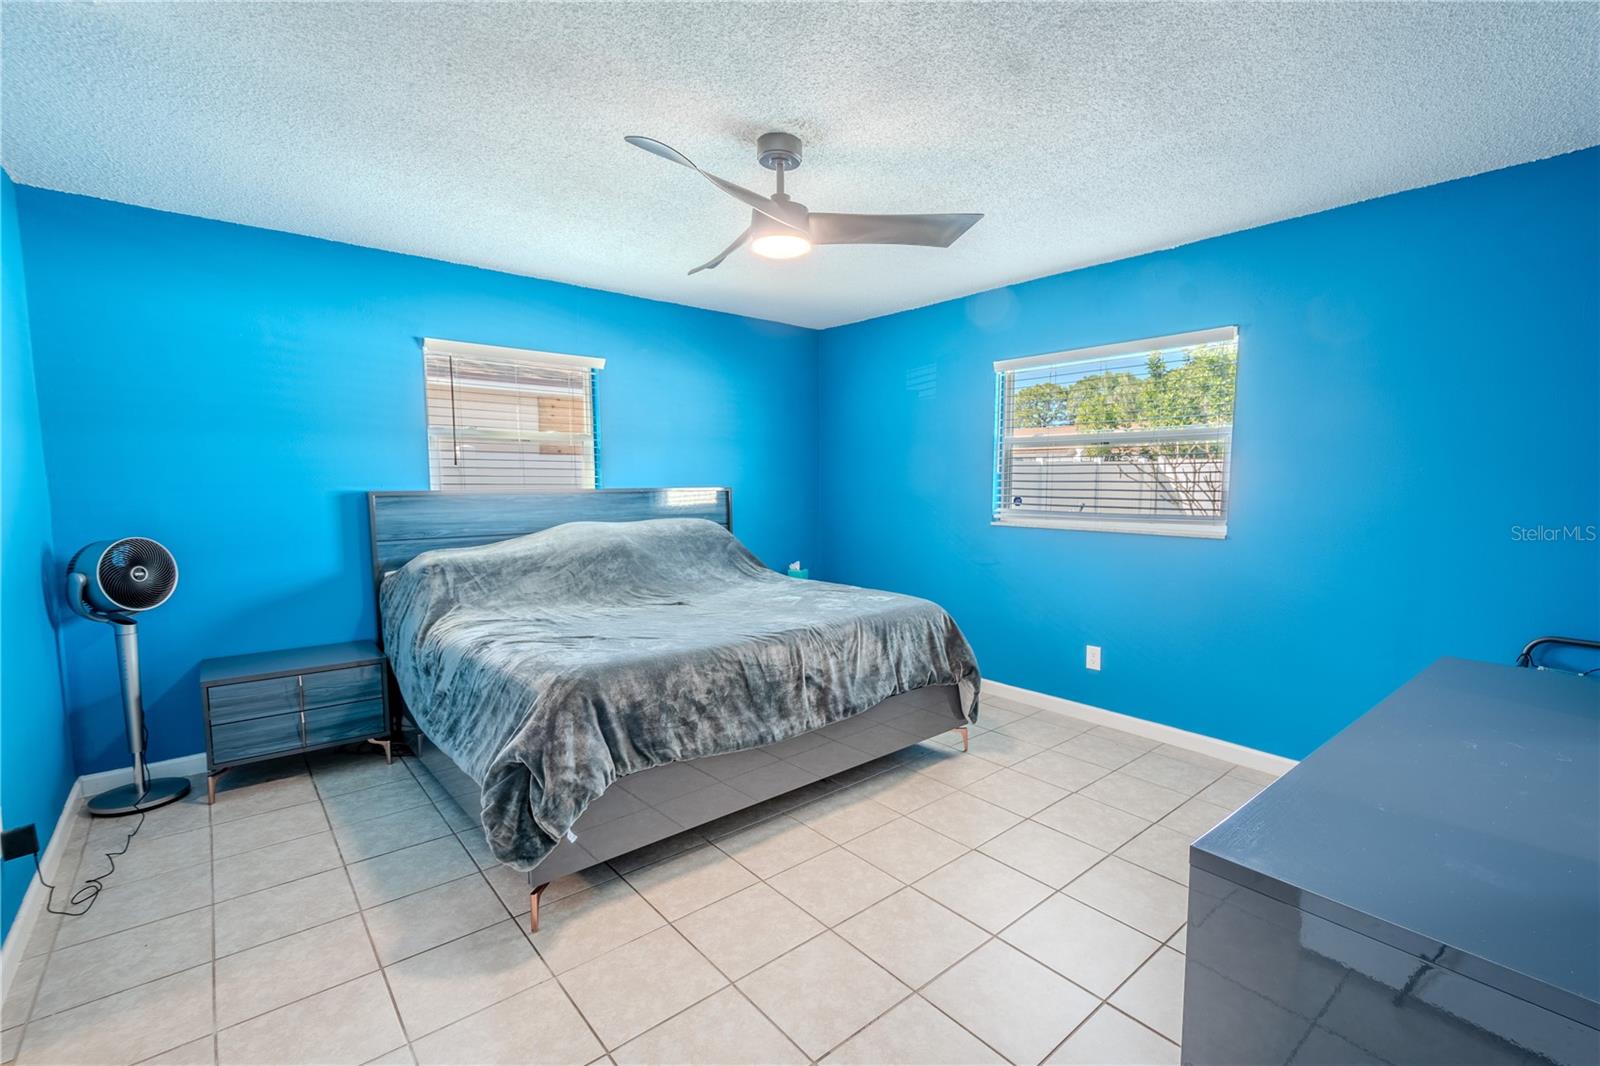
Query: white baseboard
{"type": "Point", "coordinates": [33, 901]}
{"type": "Point", "coordinates": [183, 766]}
{"type": "Point", "coordinates": [1167, 734]}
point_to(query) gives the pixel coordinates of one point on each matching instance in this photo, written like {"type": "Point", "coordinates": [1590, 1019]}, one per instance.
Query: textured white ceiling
{"type": "Point", "coordinates": [491, 134]}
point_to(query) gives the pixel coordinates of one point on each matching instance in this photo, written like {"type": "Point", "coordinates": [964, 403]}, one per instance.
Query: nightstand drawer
{"type": "Point", "coordinates": [344, 721]}
{"type": "Point", "coordinates": [254, 737]}
{"type": "Point", "coordinates": [253, 699]}
{"type": "Point", "coordinates": [327, 687]}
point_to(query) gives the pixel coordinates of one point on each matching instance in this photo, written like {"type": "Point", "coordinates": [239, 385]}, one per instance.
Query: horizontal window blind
{"type": "Point", "coordinates": [1127, 435]}
{"type": "Point", "coordinates": [508, 418]}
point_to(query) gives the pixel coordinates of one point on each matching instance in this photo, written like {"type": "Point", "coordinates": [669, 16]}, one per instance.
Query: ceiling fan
{"type": "Point", "coordinates": [781, 228]}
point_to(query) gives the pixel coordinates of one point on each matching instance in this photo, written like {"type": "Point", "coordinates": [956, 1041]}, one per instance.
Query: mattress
{"type": "Point", "coordinates": [548, 666]}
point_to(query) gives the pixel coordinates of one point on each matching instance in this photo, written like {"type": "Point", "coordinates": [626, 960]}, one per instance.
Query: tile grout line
{"type": "Point", "coordinates": [212, 964]}
{"type": "Point", "coordinates": [1123, 984]}
{"type": "Point", "coordinates": [141, 925]}
{"type": "Point", "coordinates": [215, 901]}
{"type": "Point", "coordinates": [217, 1028]}
{"type": "Point", "coordinates": [394, 1004]}
{"type": "Point", "coordinates": [911, 991]}
{"type": "Point", "coordinates": [890, 765]}
{"type": "Point", "coordinates": [826, 928]}
{"type": "Point", "coordinates": [1053, 890]}
{"type": "Point", "coordinates": [840, 845]}
{"type": "Point", "coordinates": [512, 917]}
{"type": "Point", "coordinates": [731, 982]}
{"type": "Point", "coordinates": [605, 1051]}
{"type": "Point", "coordinates": [915, 992]}
{"type": "Point", "coordinates": [53, 950]}
{"type": "Point", "coordinates": [1100, 1001]}
{"type": "Point", "coordinates": [211, 876]}
{"type": "Point", "coordinates": [835, 846]}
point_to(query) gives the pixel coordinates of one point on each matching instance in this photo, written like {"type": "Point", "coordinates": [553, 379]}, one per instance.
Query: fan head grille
{"type": "Point", "coordinates": [137, 574]}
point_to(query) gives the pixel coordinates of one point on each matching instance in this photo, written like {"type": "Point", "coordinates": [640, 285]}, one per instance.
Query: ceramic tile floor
{"type": "Point", "coordinates": [1023, 902]}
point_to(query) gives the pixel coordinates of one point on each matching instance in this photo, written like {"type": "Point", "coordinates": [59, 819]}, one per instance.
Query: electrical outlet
{"type": "Point", "coordinates": [16, 843]}
{"type": "Point", "coordinates": [1091, 656]}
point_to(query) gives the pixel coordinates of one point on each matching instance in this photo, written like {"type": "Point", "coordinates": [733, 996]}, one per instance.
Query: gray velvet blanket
{"type": "Point", "coordinates": [550, 665]}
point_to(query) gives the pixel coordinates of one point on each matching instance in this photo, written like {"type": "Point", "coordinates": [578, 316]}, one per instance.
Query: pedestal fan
{"type": "Point", "coordinates": [111, 581]}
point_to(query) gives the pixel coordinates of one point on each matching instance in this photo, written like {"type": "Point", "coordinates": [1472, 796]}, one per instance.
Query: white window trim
{"type": "Point", "coordinates": [1204, 530]}
{"type": "Point", "coordinates": [1216, 335]}
{"type": "Point", "coordinates": [467, 350]}
{"type": "Point", "coordinates": [1113, 524]}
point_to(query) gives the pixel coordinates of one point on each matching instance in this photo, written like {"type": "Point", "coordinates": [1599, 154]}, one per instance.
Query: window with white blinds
{"type": "Point", "coordinates": [1133, 437]}
{"type": "Point", "coordinates": [508, 417]}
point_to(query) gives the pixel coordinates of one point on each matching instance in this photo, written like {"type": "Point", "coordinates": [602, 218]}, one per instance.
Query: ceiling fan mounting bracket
{"type": "Point", "coordinates": [778, 149]}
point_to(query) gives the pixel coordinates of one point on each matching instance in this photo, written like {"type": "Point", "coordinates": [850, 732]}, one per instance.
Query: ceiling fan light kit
{"type": "Point", "coordinates": [784, 228]}
{"type": "Point", "coordinates": [774, 240]}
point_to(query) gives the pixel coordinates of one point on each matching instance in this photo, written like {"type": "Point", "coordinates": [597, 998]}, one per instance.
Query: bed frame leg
{"type": "Point", "coordinates": [533, 902]}
{"type": "Point", "coordinates": [966, 737]}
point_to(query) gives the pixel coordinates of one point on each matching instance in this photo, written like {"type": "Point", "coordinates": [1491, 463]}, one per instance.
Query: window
{"type": "Point", "coordinates": [1131, 437]}
{"type": "Point", "coordinates": [505, 417]}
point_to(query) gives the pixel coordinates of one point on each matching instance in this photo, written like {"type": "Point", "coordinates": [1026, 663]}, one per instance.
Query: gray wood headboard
{"type": "Point", "coordinates": [403, 525]}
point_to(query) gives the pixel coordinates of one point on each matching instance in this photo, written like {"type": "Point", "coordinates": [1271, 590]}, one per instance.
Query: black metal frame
{"type": "Point", "coordinates": [1526, 656]}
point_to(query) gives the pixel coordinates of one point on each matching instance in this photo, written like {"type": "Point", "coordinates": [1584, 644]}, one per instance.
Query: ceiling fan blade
{"type": "Point", "coordinates": [665, 151]}
{"type": "Point", "coordinates": [729, 250]}
{"type": "Point", "coordinates": [934, 231]}
{"type": "Point", "coordinates": [788, 214]}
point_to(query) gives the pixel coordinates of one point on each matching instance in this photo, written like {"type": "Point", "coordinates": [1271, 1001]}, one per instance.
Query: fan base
{"type": "Point", "coordinates": [126, 799]}
{"type": "Point", "coordinates": [773, 149]}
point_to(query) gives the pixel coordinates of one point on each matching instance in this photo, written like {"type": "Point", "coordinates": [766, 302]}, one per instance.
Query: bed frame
{"type": "Point", "coordinates": [648, 807]}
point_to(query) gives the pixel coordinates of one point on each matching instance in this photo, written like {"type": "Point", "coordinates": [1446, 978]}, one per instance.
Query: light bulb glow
{"type": "Point", "coordinates": [780, 245]}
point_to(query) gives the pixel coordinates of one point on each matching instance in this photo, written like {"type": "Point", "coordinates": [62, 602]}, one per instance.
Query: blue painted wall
{"type": "Point", "coordinates": [1418, 375]}
{"type": "Point", "coordinates": [35, 758]}
{"type": "Point", "coordinates": [231, 392]}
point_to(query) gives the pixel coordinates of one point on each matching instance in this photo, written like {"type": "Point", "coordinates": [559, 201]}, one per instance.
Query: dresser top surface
{"type": "Point", "coordinates": [288, 661]}
{"type": "Point", "coordinates": [1464, 809]}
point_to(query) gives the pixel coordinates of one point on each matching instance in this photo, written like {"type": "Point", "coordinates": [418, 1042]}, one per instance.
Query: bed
{"type": "Point", "coordinates": [594, 672]}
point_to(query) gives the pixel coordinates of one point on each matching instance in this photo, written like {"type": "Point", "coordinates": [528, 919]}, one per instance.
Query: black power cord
{"type": "Point", "coordinates": [92, 886]}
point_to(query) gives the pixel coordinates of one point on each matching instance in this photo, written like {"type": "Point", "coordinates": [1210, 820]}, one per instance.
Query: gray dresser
{"type": "Point", "coordinates": [1424, 888]}
{"type": "Point", "coordinates": [276, 703]}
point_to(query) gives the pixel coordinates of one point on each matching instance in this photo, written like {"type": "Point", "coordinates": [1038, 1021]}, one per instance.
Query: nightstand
{"type": "Point", "coordinates": [277, 703]}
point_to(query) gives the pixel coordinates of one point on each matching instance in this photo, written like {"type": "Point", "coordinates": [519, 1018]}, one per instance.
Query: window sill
{"type": "Point", "coordinates": [1113, 525]}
